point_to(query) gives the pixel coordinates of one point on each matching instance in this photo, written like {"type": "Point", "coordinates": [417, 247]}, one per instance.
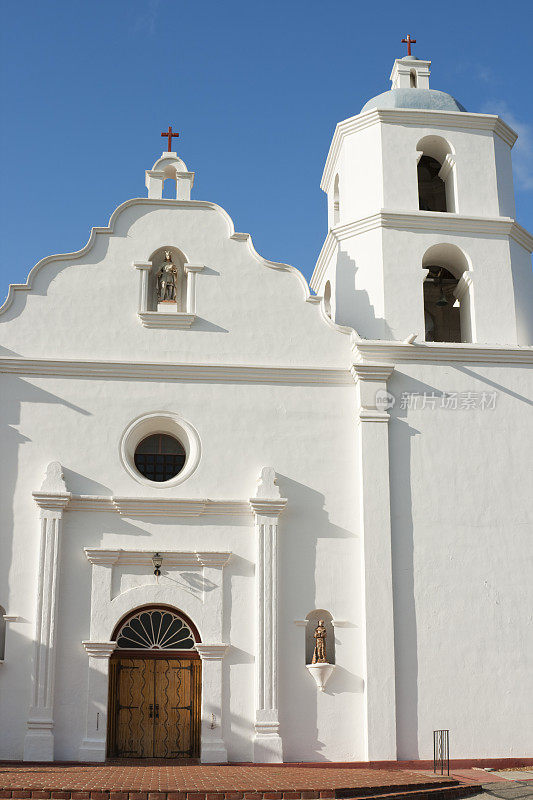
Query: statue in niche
{"type": "Point", "coordinates": [167, 281]}
{"type": "Point", "coordinates": [320, 634]}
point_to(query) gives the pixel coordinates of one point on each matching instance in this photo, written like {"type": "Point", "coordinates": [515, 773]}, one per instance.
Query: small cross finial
{"type": "Point", "coordinates": [408, 41]}
{"type": "Point", "coordinates": [170, 136]}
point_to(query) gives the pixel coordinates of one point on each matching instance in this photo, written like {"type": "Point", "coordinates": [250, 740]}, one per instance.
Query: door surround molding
{"type": "Point", "coordinates": [205, 610]}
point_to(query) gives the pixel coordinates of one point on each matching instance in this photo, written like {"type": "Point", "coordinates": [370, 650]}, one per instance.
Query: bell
{"type": "Point", "coordinates": [442, 299]}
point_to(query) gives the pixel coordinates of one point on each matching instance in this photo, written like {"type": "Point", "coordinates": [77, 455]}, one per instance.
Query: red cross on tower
{"type": "Point", "coordinates": [170, 136]}
{"type": "Point", "coordinates": [408, 41]}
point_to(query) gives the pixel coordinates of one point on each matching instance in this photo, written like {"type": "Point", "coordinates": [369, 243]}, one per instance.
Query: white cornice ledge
{"type": "Point", "coordinates": [160, 319]}
{"type": "Point", "coordinates": [418, 117]}
{"type": "Point", "coordinates": [107, 558]}
{"type": "Point", "coordinates": [439, 222]}
{"type": "Point", "coordinates": [157, 506]}
{"type": "Point", "coordinates": [99, 649]}
{"type": "Point", "coordinates": [211, 652]}
{"type": "Point", "coordinates": [373, 415]}
{"type": "Point", "coordinates": [229, 373]}
{"type": "Point", "coordinates": [434, 352]}
{"type": "Point", "coordinates": [101, 558]}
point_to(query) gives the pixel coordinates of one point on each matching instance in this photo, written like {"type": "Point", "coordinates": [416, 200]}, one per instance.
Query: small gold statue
{"type": "Point", "coordinates": [320, 634]}
{"type": "Point", "coordinates": [167, 280]}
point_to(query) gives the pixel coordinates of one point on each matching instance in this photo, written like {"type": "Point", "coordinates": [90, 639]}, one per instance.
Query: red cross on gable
{"type": "Point", "coordinates": [170, 136]}
{"type": "Point", "coordinates": [408, 41]}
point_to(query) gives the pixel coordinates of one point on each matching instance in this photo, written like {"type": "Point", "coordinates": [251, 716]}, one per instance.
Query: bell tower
{"type": "Point", "coordinates": [422, 236]}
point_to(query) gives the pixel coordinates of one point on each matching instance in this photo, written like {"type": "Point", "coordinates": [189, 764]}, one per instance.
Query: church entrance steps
{"type": "Point", "coordinates": [442, 793]}
{"type": "Point", "coordinates": [220, 782]}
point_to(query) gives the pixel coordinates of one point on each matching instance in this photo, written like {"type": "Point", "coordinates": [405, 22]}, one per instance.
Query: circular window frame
{"type": "Point", "coordinates": [160, 422]}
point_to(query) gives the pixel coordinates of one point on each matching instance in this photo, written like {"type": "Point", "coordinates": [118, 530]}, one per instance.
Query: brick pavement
{"type": "Point", "coordinates": [172, 782]}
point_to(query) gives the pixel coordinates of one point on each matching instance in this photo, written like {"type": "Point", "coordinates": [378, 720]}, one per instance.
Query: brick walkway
{"type": "Point", "coordinates": [135, 782]}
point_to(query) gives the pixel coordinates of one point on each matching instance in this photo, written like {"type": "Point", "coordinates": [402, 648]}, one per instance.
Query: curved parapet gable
{"type": "Point", "coordinates": [110, 229]}
{"type": "Point", "coordinates": [74, 304]}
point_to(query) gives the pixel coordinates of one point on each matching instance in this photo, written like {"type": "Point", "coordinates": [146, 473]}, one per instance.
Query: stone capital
{"type": "Point", "coordinates": [268, 508]}
{"type": "Point", "coordinates": [211, 652]}
{"type": "Point", "coordinates": [376, 373]}
{"type": "Point", "coordinates": [52, 502]}
{"type": "Point", "coordinates": [99, 649]}
{"type": "Point", "coordinates": [372, 397]}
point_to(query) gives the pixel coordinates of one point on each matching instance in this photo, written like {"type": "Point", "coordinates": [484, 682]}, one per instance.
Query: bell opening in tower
{"type": "Point", "coordinates": [431, 187]}
{"type": "Point", "coordinates": [441, 308]}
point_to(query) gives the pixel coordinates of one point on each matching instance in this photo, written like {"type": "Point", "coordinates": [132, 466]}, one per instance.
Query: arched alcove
{"type": "Point", "coordinates": [336, 202]}
{"type": "Point", "coordinates": [435, 173]}
{"type": "Point", "coordinates": [313, 619]}
{"type": "Point", "coordinates": [447, 295]}
{"type": "Point", "coordinates": [2, 633]}
{"type": "Point", "coordinates": [327, 299]}
{"type": "Point", "coordinates": [157, 259]}
{"type": "Point", "coordinates": [412, 79]}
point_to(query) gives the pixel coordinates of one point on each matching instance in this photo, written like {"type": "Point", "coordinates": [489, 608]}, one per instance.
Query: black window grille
{"type": "Point", "coordinates": [160, 457]}
{"type": "Point", "coordinates": [155, 630]}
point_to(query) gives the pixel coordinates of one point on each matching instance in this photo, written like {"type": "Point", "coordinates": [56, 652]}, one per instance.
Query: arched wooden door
{"type": "Point", "coordinates": [154, 687]}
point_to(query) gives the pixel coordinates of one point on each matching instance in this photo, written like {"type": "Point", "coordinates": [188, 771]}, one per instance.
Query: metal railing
{"type": "Point", "coordinates": [441, 752]}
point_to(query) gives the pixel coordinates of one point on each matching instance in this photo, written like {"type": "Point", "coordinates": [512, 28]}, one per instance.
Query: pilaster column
{"type": "Point", "coordinates": [93, 747]}
{"type": "Point", "coordinates": [191, 270]}
{"type": "Point", "coordinates": [52, 500]}
{"type": "Point", "coordinates": [267, 506]}
{"type": "Point", "coordinates": [144, 268]}
{"type": "Point", "coordinates": [212, 747]}
{"type": "Point", "coordinates": [375, 524]}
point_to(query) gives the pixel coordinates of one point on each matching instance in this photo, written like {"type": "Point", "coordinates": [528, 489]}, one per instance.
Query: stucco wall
{"type": "Point", "coordinates": [460, 549]}
{"type": "Point", "coordinates": [462, 560]}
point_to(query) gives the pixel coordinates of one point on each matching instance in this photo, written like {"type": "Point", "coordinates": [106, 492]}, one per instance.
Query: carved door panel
{"type": "Point", "coordinates": [177, 692]}
{"type": "Point", "coordinates": [134, 708]}
{"type": "Point", "coordinates": [154, 708]}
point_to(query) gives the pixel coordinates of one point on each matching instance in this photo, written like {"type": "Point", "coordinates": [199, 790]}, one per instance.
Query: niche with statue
{"type": "Point", "coordinates": [167, 281]}
{"type": "Point", "coordinates": [168, 289]}
{"type": "Point", "coordinates": [320, 646]}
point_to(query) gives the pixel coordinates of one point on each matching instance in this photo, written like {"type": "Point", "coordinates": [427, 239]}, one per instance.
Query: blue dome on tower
{"type": "Point", "coordinates": [425, 99]}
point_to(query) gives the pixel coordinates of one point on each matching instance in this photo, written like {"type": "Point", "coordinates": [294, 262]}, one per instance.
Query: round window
{"type": "Point", "coordinates": [160, 449]}
{"type": "Point", "coordinates": [160, 457]}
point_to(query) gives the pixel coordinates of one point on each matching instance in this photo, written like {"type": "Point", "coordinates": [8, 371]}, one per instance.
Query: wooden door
{"type": "Point", "coordinates": [176, 729]}
{"type": "Point", "coordinates": [134, 707]}
{"type": "Point", "coordinates": [154, 708]}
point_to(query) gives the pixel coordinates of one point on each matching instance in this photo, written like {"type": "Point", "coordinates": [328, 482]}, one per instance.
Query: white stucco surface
{"type": "Point", "coordinates": [407, 519]}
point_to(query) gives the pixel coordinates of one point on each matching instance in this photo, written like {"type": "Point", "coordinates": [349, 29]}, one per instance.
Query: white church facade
{"type": "Point", "coordinates": [204, 461]}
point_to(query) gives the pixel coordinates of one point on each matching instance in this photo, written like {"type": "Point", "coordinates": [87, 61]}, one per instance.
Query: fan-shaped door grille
{"type": "Point", "coordinates": [155, 630]}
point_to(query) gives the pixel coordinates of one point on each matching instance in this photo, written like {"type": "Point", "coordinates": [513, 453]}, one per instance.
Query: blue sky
{"type": "Point", "coordinates": [255, 89]}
